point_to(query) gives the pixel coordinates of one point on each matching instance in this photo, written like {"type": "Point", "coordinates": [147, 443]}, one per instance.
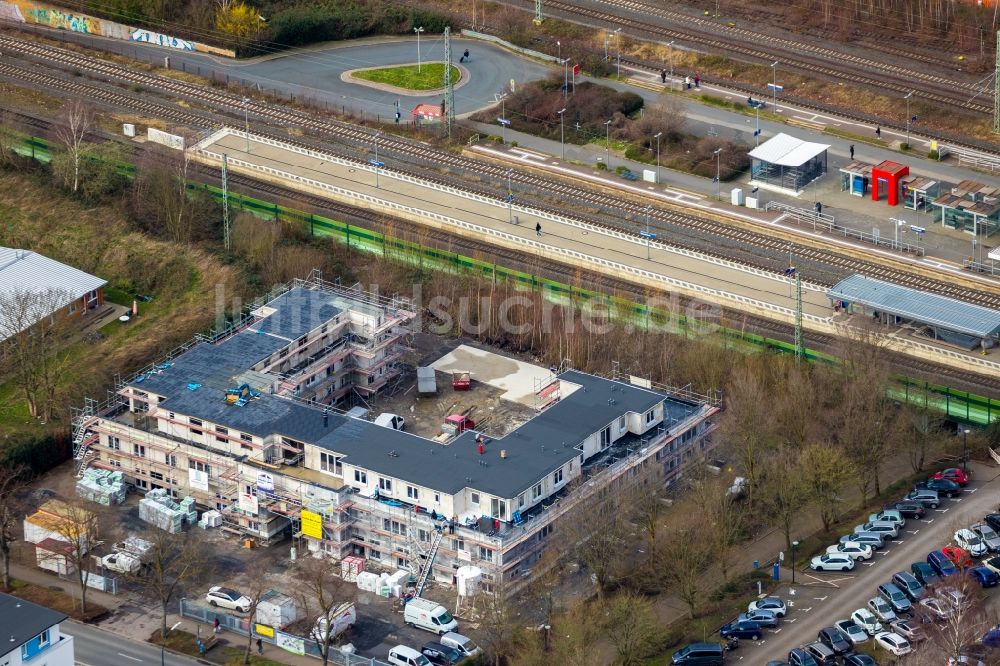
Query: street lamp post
{"type": "Point", "coordinates": [375, 161]}
{"type": "Point", "coordinates": [648, 235]}
{"type": "Point", "coordinates": [503, 117]}
{"type": "Point", "coordinates": [657, 137]}
{"type": "Point", "coordinates": [907, 98]}
{"type": "Point", "coordinates": [418, 31]}
{"type": "Point", "coordinates": [718, 170]}
{"type": "Point", "coordinates": [670, 46]}
{"type": "Point", "coordinates": [607, 138]}
{"type": "Point", "coordinates": [618, 45]}
{"type": "Point", "coordinates": [965, 449]}
{"type": "Point", "coordinates": [562, 134]}
{"type": "Point", "coordinates": [795, 544]}
{"type": "Point", "coordinates": [774, 83]}
{"type": "Point", "coordinates": [510, 199]}
{"type": "Point", "coordinates": [163, 645]}
{"type": "Point", "coordinates": [246, 120]}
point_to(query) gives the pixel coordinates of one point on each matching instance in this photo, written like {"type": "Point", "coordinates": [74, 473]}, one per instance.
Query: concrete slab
{"type": "Point", "coordinates": [520, 380]}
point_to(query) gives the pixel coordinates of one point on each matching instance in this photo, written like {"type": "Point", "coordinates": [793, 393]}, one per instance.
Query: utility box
{"type": "Point", "coordinates": [128, 129]}
{"type": "Point", "coordinates": [276, 610]}
{"type": "Point", "coordinates": [649, 175]}
{"type": "Point", "coordinates": [736, 196]}
{"type": "Point", "coordinates": [752, 203]}
{"type": "Point", "coordinates": [426, 381]}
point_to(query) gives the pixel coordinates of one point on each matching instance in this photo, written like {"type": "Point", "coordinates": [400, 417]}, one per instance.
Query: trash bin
{"type": "Point", "coordinates": [756, 564]}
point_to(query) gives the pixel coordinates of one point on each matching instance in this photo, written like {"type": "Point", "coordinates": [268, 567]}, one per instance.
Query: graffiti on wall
{"type": "Point", "coordinates": [148, 37]}
{"type": "Point", "coordinates": [61, 20]}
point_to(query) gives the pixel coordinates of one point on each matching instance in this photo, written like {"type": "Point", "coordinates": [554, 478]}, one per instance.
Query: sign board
{"type": "Point", "coordinates": [640, 381]}
{"type": "Point", "coordinates": [265, 482]}
{"type": "Point", "coordinates": [248, 504]}
{"type": "Point", "coordinates": [168, 140]}
{"type": "Point", "coordinates": [198, 480]}
{"type": "Point", "coordinates": [512, 85]}
{"type": "Point", "coordinates": [263, 630]}
{"type": "Point", "coordinates": [649, 176]}
{"type": "Point", "coordinates": [293, 644]}
{"type": "Point", "coordinates": [312, 524]}
{"type": "Point", "coordinates": [775, 88]}
{"type": "Point", "coordinates": [576, 69]}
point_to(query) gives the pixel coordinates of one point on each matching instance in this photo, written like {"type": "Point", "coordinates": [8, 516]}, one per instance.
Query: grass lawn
{"type": "Point", "coordinates": [56, 600]}
{"type": "Point", "coordinates": [430, 76]}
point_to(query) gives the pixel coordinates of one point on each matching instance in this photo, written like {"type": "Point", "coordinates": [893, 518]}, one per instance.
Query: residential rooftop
{"type": "Point", "coordinates": [23, 621]}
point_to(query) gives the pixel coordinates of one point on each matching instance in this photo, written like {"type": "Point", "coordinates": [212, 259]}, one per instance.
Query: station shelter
{"type": "Point", "coordinates": [856, 177]}
{"type": "Point", "coordinates": [918, 193]}
{"type": "Point", "coordinates": [788, 163]}
{"type": "Point", "coordinates": [940, 318]}
{"type": "Point", "coordinates": [887, 179]}
{"type": "Point", "coordinates": [426, 113]}
{"type": "Point", "coordinates": [970, 206]}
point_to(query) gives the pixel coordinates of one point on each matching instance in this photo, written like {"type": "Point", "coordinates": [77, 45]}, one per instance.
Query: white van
{"type": "Point", "coordinates": [390, 420]}
{"type": "Point", "coordinates": [429, 616]}
{"type": "Point", "coordinates": [407, 656]}
{"type": "Point", "coordinates": [463, 644]}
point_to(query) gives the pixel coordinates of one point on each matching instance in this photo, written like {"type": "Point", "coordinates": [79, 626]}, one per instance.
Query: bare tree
{"type": "Point", "coordinates": [598, 533]}
{"type": "Point", "coordinates": [12, 481]}
{"type": "Point", "coordinates": [497, 618]}
{"type": "Point", "coordinates": [631, 627]}
{"type": "Point", "coordinates": [254, 591]}
{"type": "Point", "coordinates": [682, 556]}
{"type": "Point", "coordinates": [160, 195]}
{"type": "Point", "coordinates": [77, 524]}
{"type": "Point", "coordinates": [321, 593]}
{"type": "Point", "coordinates": [726, 516]}
{"type": "Point", "coordinates": [75, 119]}
{"type": "Point", "coordinates": [825, 471]}
{"type": "Point", "coordinates": [784, 491]}
{"type": "Point", "coordinates": [31, 329]}
{"type": "Point", "coordinates": [173, 562]}
{"type": "Point", "coordinates": [746, 428]}
{"type": "Point", "coordinates": [970, 619]}
{"type": "Point", "coordinates": [923, 435]}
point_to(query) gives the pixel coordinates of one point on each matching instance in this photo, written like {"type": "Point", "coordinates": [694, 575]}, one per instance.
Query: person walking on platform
{"type": "Point", "coordinates": [663, 75]}
{"type": "Point", "coordinates": [538, 228]}
{"type": "Point", "coordinates": [878, 132]}
{"type": "Point", "coordinates": [852, 151]}
{"type": "Point", "coordinates": [687, 82]}
{"type": "Point", "coordinates": [819, 208]}
{"type": "Point", "coordinates": [697, 80]}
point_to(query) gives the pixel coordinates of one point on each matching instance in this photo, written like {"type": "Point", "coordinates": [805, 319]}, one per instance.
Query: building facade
{"type": "Point", "coordinates": [274, 456]}
{"type": "Point", "coordinates": [35, 637]}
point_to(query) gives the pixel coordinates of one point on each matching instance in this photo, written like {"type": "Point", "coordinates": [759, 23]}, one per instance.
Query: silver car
{"type": "Point", "coordinates": [876, 541]}
{"type": "Point", "coordinates": [888, 530]}
{"type": "Point", "coordinates": [989, 537]}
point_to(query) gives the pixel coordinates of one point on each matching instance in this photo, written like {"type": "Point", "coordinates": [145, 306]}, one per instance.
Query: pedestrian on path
{"type": "Point", "coordinates": [260, 646]}
{"type": "Point", "coordinates": [878, 132]}
{"type": "Point", "coordinates": [663, 75]}
{"type": "Point", "coordinates": [852, 151]}
{"type": "Point", "coordinates": [538, 228]}
{"type": "Point", "coordinates": [819, 208]}
{"type": "Point", "coordinates": [687, 82]}
{"type": "Point", "coordinates": [215, 626]}
{"type": "Point", "coordinates": [697, 80]}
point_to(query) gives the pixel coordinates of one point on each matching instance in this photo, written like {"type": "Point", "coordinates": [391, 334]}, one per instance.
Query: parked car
{"type": "Point", "coordinates": [941, 564]}
{"type": "Point", "coordinates": [886, 529]}
{"type": "Point", "coordinates": [799, 657]}
{"type": "Point", "coordinates": [993, 564]}
{"type": "Point", "coordinates": [744, 629]}
{"type": "Point", "coordinates": [924, 573]}
{"type": "Point", "coordinates": [887, 515]}
{"type": "Point", "coordinates": [882, 610]}
{"type": "Point", "coordinates": [858, 551]}
{"type": "Point", "coordinates": [935, 608]}
{"type": "Point", "coordinates": [988, 535]}
{"type": "Point", "coordinates": [773, 604]}
{"type": "Point", "coordinates": [225, 597]}
{"type": "Point", "coordinates": [442, 655]}
{"type": "Point", "coordinates": [830, 562]}
{"type": "Point", "coordinates": [834, 639]}
{"type": "Point", "coordinates": [958, 556]}
{"type": "Point", "coordinates": [985, 576]}
{"type": "Point", "coordinates": [823, 655]}
{"type": "Point", "coordinates": [929, 498]}
{"type": "Point", "coordinates": [403, 655]}
{"type": "Point", "coordinates": [895, 596]}
{"type": "Point", "coordinates": [909, 509]}
{"type": "Point", "coordinates": [876, 541]}
{"type": "Point", "coordinates": [970, 541]}
{"type": "Point", "coordinates": [893, 642]}
{"type": "Point", "coordinates": [908, 583]}
{"type": "Point", "coordinates": [909, 630]}
{"type": "Point", "coordinates": [865, 619]}
{"type": "Point", "coordinates": [121, 563]}
{"type": "Point", "coordinates": [953, 474]}
{"type": "Point", "coordinates": [991, 638]}
{"type": "Point", "coordinates": [764, 618]}
{"type": "Point", "coordinates": [858, 659]}
{"type": "Point", "coordinates": [699, 654]}
{"type": "Point", "coordinates": [943, 486]}
{"type": "Point", "coordinates": [852, 631]}
{"type": "Point", "coordinates": [954, 597]}
{"type": "Point", "coordinates": [993, 520]}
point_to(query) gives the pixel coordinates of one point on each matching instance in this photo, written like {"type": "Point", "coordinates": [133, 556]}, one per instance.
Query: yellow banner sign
{"type": "Point", "coordinates": [312, 524]}
{"type": "Point", "coordinates": [263, 630]}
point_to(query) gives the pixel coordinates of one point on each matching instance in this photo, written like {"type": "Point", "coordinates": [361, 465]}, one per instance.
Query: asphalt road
{"type": "Point", "coordinates": [820, 599]}
{"type": "Point", "coordinates": [96, 647]}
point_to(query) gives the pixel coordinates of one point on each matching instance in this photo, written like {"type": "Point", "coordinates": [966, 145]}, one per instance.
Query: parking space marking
{"type": "Point", "coordinates": [971, 491]}
{"type": "Point", "coordinates": [941, 510]}
{"type": "Point", "coordinates": [806, 610]}
{"type": "Point", "coordinates": [911, 531]}
{"type": "Point", "coordinates": [928, 521]}
{"type": "Point", "coordinates": [791, 620]}
{"type": "Point", "coordinates": [821, 598]}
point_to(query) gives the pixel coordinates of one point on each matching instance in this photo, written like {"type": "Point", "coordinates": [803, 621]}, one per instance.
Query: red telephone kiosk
{"type": "Point", "coordinates": [886, 181]}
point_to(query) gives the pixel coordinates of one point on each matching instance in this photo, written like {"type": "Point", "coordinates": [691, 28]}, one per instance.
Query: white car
{"type": "Point", "coordinates": [893, 643]}
{"type": "Point", "coordinates": [121, 563]}
{"type": "Point", "coordinates": [989, 537]}
{"type": "Point", "coordinates": [854, 632]}
{"type": "Point", "coordinates": [225, 597]}
{"type": "Point", "coordinates": [971, 542]}
{"type": "Point", "coordinates": [865, 619]}
{"type": "Point", "coordinates": [882, 610]}
{"type": "Point", "coordinates": [773, 604]}
{"type": "Point", "coordinates": [936, 608]}
{"type": "Point", "coordinates": [832, 562]}
{"type": "Point", "coordinates": [858, 551]}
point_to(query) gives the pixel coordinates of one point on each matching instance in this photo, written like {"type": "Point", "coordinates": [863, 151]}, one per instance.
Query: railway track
{"type": "Point", "coordinates": [818, 60]}
{"type": "Point", "coordinates": [663, 218]}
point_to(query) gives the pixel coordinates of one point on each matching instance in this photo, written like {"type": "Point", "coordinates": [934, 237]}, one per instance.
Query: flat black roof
{"type": "Point", "coordinates": [23, 621]}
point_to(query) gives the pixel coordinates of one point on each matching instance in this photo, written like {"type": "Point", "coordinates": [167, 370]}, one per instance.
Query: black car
{"type": "Point", "coordinates": [744, 629]}
{"type": "Point", "coordinates": [943, 486]}
{"type": "Point", "coordinates": [908, 509]}
{"type": "Point", "coordinates": [924, 573]}
{"type": "Point", "coordinates": [857, 659]}
{"type": "Point", "coordinates": [834, 639]}
{"type": "Point", "coordinates": [438, 653]}
{"type": "Point", "coordinates": [799, 657]}
{"type": "Point", "coordinates": [993, 520]}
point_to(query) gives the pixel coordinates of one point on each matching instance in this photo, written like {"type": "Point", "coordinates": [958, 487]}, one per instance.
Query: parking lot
{"type": "Point", "coordinates": [819, 599]}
